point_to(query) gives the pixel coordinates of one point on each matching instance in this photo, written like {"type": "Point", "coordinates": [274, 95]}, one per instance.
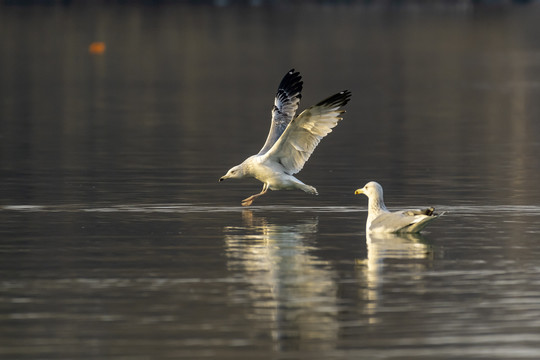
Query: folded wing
{"type": "Point", "coordinates": [409, 221]}
{"type": "Point", "coordinates": [304, 133]}
{"type": "Point", "coordinates": [285, 104]}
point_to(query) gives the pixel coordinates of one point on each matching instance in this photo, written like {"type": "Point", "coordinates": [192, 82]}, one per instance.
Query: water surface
{"type": "Point", "coordinates": [117, 241]}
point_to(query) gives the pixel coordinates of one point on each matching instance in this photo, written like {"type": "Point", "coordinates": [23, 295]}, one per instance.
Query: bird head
{"type": "Point", "coordinates": [370, 189]}
{"type": "Point", "coordinates": [235, 172]}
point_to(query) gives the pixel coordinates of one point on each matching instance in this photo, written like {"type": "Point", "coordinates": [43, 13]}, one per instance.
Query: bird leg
{"type": "Point", "coordinates": [249, 200]}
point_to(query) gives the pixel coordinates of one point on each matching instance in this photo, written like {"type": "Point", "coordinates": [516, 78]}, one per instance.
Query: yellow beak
{"type": "Point", "coordinates": [358, 191]}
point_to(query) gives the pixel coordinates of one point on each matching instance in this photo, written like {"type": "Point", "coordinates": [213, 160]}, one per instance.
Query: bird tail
{"type": "Point", "coordinates": [309, 189]}
{"type": "Point", "coordinates": [430, 215]}
{"type": "Point", "coordinates": [420, 225]}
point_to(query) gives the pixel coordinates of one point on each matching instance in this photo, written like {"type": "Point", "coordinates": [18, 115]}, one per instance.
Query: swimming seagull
{"type": "Point", "coordinates": [291, 140]}
{"type": "Point", "coordinates": [380, 220]}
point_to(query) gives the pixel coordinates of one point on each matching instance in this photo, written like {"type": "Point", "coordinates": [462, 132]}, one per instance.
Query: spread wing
{"type": "Point", "coordinates": [304, 133]}
{"type": "Point", "coordinates": [285, 105]}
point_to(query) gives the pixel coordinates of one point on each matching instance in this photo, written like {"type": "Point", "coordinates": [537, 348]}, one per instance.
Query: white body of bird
{"type": "Point", "coordinates": [381, 220]}
{"type": "Point", "coordinates": [272, 175]}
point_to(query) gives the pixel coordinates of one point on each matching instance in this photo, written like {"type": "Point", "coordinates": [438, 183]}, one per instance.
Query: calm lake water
{"type": "Point", "coordinates": [118, 242]}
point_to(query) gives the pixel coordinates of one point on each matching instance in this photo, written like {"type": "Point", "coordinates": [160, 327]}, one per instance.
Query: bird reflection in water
{"type": "Point", "coordinates": [287, 286]}
{"type": "Point", "coordinates": [412, 249]}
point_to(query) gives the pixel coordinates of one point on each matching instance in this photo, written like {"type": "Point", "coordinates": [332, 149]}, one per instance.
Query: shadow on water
{"type": "Point", "coordinates": [293, 281]}
{"type": "Point", "coordinates": [286, 284]}
{"type": "Point", "coordinates": [385, 247]}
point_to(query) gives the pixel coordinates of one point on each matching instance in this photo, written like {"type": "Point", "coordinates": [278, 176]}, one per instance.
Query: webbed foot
{"type": "Point", "coordinates": [247, 202]}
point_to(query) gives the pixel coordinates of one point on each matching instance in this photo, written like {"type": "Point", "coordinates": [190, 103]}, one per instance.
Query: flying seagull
{"type": "Point", "coordinates": [380, 220]}
{"type": "Point", "coordinates": [291, 140]}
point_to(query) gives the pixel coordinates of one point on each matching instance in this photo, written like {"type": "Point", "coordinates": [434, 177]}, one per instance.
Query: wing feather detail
{"type": "Point", "coordinates": [304, 133]}
{"type": "Point", "coordinates": [285, 105]}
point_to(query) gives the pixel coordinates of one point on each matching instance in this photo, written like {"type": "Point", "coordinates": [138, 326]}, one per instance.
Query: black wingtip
{"type": "Point", "coordinates": [290, 79]}
{"type": "Point", "coordinates": [336, 100]}
{"type": "Point", "coordinates": [291, 84]}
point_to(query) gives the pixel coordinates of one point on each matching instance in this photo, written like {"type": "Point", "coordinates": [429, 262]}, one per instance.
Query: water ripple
{"type": "Point", "coordinates": [174, 208]}
{"type": "Point", "coordinates": [193, 208]}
